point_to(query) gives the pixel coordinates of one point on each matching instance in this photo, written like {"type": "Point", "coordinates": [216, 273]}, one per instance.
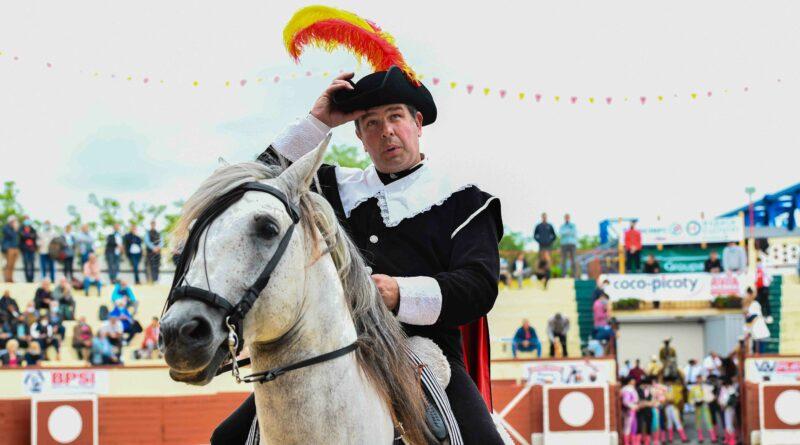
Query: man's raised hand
{"type": "Point", "coordinates": [323, 108]}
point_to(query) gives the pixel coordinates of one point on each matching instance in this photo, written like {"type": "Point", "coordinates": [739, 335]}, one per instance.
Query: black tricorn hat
{"type": "Point", "coordinates": [384, 88]}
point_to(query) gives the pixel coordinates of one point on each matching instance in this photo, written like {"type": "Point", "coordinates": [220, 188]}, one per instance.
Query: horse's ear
{"type": "Point", "coordinates": [298, 177]}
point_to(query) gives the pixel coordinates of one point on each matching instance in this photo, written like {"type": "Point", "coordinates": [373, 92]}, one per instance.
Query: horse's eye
{"type": "Point", "coordinates": [266, 227]}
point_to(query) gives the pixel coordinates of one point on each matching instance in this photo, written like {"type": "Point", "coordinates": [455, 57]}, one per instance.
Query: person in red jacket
{"type": "Point", "coordinates": [633, 248]}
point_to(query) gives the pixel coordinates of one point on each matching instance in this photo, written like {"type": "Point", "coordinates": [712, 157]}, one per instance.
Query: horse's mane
{"type": "Point", "coordinates": [382, 342]}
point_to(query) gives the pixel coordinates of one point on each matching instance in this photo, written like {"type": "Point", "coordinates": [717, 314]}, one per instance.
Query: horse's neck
{"type": "Point", "coordinates": [327, 402]}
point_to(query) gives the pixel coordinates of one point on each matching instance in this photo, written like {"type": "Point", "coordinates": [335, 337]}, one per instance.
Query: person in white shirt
{"type": "Point", "coordinates": [712, 364]}
{"type": "Point", "coordinates": [692, 371]}
{"type": "Point", "coordinates": [755, 325]}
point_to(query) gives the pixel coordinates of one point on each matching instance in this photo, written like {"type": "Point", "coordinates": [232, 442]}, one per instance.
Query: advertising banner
{"type": "Point", "coordinates": [569, 372]}
{"type": "Point", "coordinates": [692, 231]}
{"type": "Point", "coordinates": [674, 287]}
{"type": "Point", "coordinates": [65, 381]}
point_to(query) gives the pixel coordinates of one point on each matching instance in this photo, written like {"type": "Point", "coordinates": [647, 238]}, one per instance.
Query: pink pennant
{"type": "Point", "coordinates": [470, 88]}
{"type": "Point", "coordinates": [243, 82]}
{"type": "Point", "coordinates": [49, 65]}
{"type": "Point", "coordinates": [145, 80]}
{"type": "Point", "coordinates": [608, 100]}
{"type": "Point", "coordinates": [573, 99]}
{"type": "Point", "coordinates": [642, 100]}
{"type": "Point", "coordinates": [708, 94]}
{"type": "Point", "coordinates": [502, 94]}
{"type": "Point", "coordinates": [538, 97]}
{"type": "Point", "coordinates": [436, 81]}
{"type": "Point", "coordinates": [308, 73]}
{"type": "Point", "coordinates": [276, 79]}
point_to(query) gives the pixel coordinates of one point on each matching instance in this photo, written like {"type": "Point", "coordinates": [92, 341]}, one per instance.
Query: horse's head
{"type": "Point", "coordinates": [226, 258]}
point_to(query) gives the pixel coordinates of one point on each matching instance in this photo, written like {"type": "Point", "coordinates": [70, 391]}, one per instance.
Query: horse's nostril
{"type": "Point", "coordinates": [195, 330]}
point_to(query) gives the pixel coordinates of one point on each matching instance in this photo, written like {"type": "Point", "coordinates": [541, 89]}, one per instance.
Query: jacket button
{"type": "Point", "coordinates": [373, 239]}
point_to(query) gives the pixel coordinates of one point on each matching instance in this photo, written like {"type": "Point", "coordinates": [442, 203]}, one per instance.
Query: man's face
{"type": "Point", "coordinates": [390, 135]}
{"type": "Point", "coordinates": [116, 227]}
{"type": "Point", "coordinates": [714, 255]}
{"type": "Point", "coordinates": [566, 218]}
{"type": "Point", "coordinates": [544, 217]}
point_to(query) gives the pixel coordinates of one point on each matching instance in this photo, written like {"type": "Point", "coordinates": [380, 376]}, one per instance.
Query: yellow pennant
{"type": "Point", "coordinates": [591, 100]}
{"type": "Point", "coordinates": [195, 83]}
{"type": "Point", "coordinates": [521, 96]}
{"type": "Point", "coordinates": [660, 98]}
{"type": "Point", "coordinates": [130, 78]}
{"type": "Point", "coordinates": [486, 91]}
{"type": "Point", "coordinates": [694, 95]}
{"type": "Point", "coordinates": [259, 80]}
{"type": "Point", "coordinates": [453, 85]}
{"type": "Point", "coordinates": [557, 98]}
{"type": "Point", "coordinates": [227, 83]}
{"type": "Point", "coordinates": [325, 74]}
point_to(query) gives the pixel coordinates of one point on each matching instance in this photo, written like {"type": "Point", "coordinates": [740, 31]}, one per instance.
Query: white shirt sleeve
{"type": "Point", "coordinates": [300, 137]}
{"type": "Point", "coordinates": [420, 300]}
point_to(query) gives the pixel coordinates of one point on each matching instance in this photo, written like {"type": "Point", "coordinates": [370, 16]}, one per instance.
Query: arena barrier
{"type": "Point", "coordinates": [771, 400]}
{"type": "Point", "coordinates": [536, 414]}
{"type": "Point", "coordinates": [64, 419]}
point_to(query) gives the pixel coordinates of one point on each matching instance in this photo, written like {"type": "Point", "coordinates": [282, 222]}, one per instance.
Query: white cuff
{"type": "Point", "coordinates": [420, 300]}
{"type": "Point", "coordinates": [300, 137]}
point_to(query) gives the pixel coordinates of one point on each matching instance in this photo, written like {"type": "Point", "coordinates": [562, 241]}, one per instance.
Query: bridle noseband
{"type": "Point", "coordinates": [235, 314]}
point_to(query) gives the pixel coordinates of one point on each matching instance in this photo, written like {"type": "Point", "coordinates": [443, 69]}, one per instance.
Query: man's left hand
{"type": "Point", "coordinates": [390, 291]}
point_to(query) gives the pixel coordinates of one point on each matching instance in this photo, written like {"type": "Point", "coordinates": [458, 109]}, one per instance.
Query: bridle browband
{"type": "Point", "coordinates": [235, 314]}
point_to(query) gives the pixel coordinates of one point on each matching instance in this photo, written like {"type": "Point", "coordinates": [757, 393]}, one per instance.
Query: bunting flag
{"type": "Point", "coordinates": [437, 84]}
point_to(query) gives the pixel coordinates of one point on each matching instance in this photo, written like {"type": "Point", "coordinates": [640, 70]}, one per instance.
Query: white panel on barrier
{"type": "Point", "coordinates": [64, 419]}
{"type": "Point", "coordinates": [576, 414]}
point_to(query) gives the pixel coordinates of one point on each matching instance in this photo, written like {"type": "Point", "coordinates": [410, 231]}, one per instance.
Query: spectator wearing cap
{"type": "Point", "coordinates": [91, 275]}
{"type": "Point", "coordinates": [10, 247]}
{"type": "Point", "coordinates": [568, 234]}
{"type": "Point", "coordinates": [633, 248]}
{"type": "Point", "coordinates": [28, 246]}
{"type": "Point", "coordinates": [46, 263]}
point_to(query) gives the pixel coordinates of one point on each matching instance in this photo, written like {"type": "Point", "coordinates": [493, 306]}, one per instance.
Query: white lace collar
{"type": "Point", "coordinates": [404, 198]}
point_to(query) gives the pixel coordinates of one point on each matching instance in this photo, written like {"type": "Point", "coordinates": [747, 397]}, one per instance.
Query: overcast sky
{"type": "Point", "coordinates": [66, 132]}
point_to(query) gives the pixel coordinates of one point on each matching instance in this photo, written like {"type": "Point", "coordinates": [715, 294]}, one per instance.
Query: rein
{"type": "Point", "coordinates": [235, 314]}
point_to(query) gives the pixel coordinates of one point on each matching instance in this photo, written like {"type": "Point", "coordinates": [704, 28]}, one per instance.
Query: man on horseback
{"type": "Point", "coordinates": [432, 244]}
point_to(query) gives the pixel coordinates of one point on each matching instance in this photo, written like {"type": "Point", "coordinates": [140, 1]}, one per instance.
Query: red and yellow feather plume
{"type": "Point", "coordinates": [328, 28]}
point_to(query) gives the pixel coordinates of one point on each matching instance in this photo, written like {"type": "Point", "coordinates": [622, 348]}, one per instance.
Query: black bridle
{"type": "Point", "coordinates": [235, 314]}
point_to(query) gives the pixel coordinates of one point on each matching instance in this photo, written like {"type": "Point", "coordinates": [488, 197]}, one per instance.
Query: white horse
{"type": "Point", "coordinates": [320, 298]}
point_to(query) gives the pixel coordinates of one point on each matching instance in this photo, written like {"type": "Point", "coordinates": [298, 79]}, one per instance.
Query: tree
{"type": "Point", "coordinates": [109, 210]}
{"type": "Point", "coordinates": [588, 242]}
{"type": "Point", "coordinates": [9, 203]}
{"type": "Point", "coordinates": [347, 156]}
{"type": "Point", "coordinates": [512, 241]}
{"type": "Point", "coordinates": [138, 213]}
{"type": "Point", "coordinates": [172, 218]}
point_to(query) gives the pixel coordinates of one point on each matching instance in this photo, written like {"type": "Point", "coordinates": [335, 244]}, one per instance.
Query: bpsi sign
{"type": "Point", "coordinates": [65, 381]}
{"type": "Point", "coordinates": [674, 287]}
